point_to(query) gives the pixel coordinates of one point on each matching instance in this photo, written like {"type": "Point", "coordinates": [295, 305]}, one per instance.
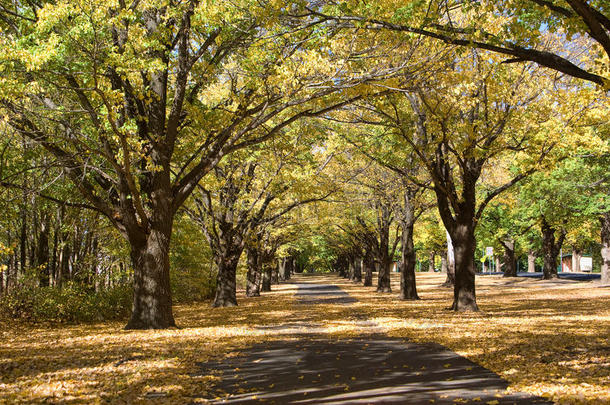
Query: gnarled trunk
{"type": "Point", "coordinates": [605, 250]}
{"type": "Point", "coordinates": [408, 289]}
{"type": "Point", "coordinates": [152, 301]}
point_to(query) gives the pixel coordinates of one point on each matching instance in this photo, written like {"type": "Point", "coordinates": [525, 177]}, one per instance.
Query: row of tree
{"type": "Point", "coordinates": [148, 110]}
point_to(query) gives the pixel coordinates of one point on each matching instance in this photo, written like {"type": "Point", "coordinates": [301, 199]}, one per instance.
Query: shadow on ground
{"type": "Point", "coordinates": [373, 369]}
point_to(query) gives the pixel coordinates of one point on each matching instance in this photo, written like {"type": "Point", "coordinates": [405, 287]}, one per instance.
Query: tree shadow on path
{"type": "Point", "coordinates": [311, 369]}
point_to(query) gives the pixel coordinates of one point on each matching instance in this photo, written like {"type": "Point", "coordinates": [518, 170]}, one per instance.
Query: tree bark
{"type": "Point", "coordinates": [266, 283]}
{"type": "Point", "coordinates": [464, 245]}
{"type": "Point", "coordinates": [42, 254]}
{"type": "Point", "coordinates": [510, 263]}
{"type": "Point", "coordinates": [252, 282]}
{"type": "Point", "coordinates": [282, 268]}
{"type": "Point", "coordinates": [383, 279]}
{"type": "Point", "coordinates": [605, 249]}
{"type": "Point", "coordinates": [531, 261]}
{"type": "Point", "coordinates": [357, 274]}
{"type": "Point", "coordinates": [408, 288]}
{"type": "Point", "coordinates": [450, 263]}
{"type": "Point", "coordinates": [369, 265]}
{"type": "Point", "coordinates": [152, 302]}
{"type": "Point", "coordinates": [275, 275]}
{"type": "Point", "coordinates": [226, 280]}
{"type": "Point", "coordinates": [551, 249]}
{"type": "Point", "coordinates": [431, 258]}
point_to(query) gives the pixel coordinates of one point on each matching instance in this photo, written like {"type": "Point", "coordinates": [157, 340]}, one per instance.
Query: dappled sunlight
{"type": "Point", "coordinates": [550, 341]}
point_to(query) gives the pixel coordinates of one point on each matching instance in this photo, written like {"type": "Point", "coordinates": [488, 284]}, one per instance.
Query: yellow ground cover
{"type": "Point", "coordinates": [546, 338]}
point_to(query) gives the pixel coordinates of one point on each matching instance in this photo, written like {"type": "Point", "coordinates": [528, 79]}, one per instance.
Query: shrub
{"type": "Point", "coordinates": [73, 303]}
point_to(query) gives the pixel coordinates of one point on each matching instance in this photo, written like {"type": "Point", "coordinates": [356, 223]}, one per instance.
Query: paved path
{"type": "Point", "coordinates": [371, 369]}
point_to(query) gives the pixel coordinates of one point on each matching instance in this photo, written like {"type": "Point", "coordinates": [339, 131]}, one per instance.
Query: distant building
{"type": "Point", "coordinates": [569, 263]}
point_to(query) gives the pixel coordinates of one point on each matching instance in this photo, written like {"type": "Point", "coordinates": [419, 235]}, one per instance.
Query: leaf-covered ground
{"type": "Point", "coordinates": [546, 338]}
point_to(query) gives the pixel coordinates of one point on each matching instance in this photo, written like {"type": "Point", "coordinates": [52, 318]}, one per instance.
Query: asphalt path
{"type": "Point", "coordinates": [311, 368]}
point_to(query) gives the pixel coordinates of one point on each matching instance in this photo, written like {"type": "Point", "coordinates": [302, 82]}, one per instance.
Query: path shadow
{"type": "Point", "coordinates": [313, 293]}
{"type": "Point", "coordinates": [371, 369]}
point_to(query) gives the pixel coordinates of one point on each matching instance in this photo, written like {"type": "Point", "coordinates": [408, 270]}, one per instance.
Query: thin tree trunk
{"type": "Point", "coordinates": [605, 249]}
{"type": "Point", "coordinates": [42, 254]}
{"type": "Point", "coordinates": [450, 263]}
{"type": "Point", "coordinates": [431, 257]}
{"type": "Point", "coordinates": [531, 261]}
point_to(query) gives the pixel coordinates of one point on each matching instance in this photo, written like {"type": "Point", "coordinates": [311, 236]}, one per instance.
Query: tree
{"type": "Point", "coordinates": [456, 122]}
{"type": "Point", "coordinates": [138, 102]}
{"type": "Point", "coordinates": [517, 29]}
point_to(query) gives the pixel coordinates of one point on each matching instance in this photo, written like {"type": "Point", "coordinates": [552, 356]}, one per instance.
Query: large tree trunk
{"type": "Point", "coordinates": [510, 263]}
{"type": "Point", "coordinates": [226, 280]}
{"type": "Point", "coordinates": [408, 289]}
{"type": "Point", "coordinates": [551, 249]}
{"type": "Point", "coordinates": [253, 275]}
{"type": "Point", "coordinates": [464, 245]}
{"type": "Point", "coordinates": [531, 261]}
{"type": "Point", "coordinates": [152, 301]}
{"type": "Point", "coordinates": [605, 251]}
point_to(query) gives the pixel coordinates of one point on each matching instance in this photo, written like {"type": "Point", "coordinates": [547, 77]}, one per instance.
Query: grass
{"type": "Point", "coordinates": [546, 338]}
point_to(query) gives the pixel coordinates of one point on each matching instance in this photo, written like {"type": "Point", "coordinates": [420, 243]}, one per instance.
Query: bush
{"type": "Point", "coordinates": [73, 303]}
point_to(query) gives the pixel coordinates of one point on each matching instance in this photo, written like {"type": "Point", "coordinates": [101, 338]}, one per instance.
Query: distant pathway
{"type": "Point", "coordinates": [370, 369]}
